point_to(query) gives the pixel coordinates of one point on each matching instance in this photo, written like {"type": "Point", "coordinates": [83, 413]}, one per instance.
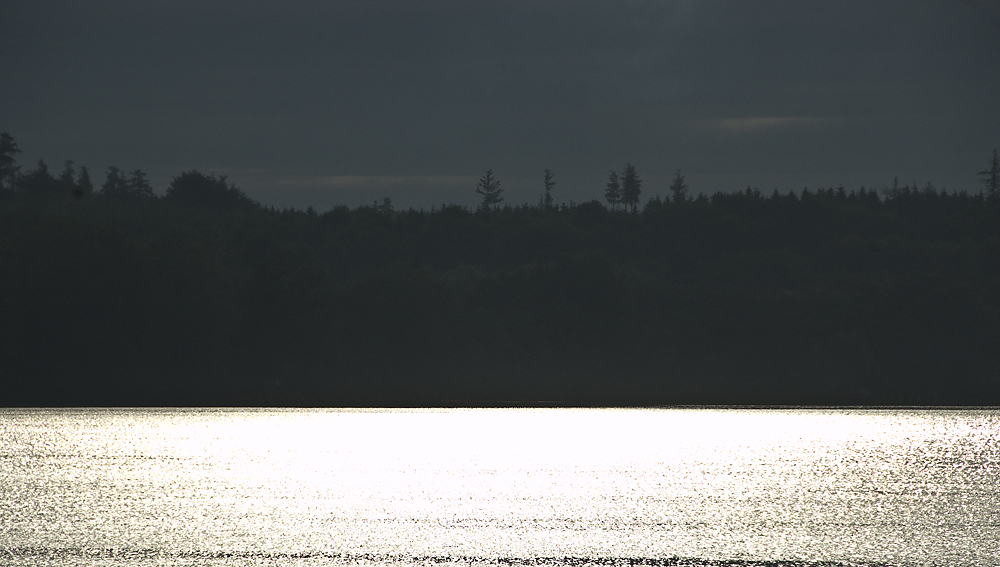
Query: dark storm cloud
{"type": "Point", "coordinates": [288, 98]}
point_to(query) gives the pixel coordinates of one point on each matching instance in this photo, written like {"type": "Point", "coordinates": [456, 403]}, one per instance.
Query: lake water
{"type": "Point", "coordinates": [499, 487]}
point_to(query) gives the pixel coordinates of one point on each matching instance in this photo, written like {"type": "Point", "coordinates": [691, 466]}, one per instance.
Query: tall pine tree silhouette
{"type": "Point", "coordinates": [678, 189]}
{"type": "Point", "coordinates": [489, 188]}
{"type": "Point", "coordinates": [991, 177]}
{"type": "Point", "coordinates": [549, 184]}
{"type": "Point", "coordinates": [631, 187]}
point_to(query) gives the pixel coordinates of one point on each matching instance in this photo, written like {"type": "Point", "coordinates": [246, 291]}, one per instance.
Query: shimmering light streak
{"type": "Point", "coordinates": [236, 486]}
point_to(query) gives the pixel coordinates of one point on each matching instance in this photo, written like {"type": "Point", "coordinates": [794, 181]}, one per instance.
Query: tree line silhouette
{"type": "Point", "coordinates": [116, 296]}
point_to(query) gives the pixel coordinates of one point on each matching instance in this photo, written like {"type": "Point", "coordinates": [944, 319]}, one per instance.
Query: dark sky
{"type": "Point", "coordinates": [318, 102]}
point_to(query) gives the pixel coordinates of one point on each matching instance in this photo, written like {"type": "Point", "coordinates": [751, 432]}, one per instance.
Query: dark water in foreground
{"type": "Point", "coordinates": [499, 487]}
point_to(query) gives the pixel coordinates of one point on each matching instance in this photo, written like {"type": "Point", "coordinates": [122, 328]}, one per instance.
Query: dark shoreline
{"type": "Point", "coordinates": [829, 298]}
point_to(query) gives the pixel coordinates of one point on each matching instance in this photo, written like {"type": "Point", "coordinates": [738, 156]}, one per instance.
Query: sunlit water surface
{"type": "Point", "coordinates": [500, 487]}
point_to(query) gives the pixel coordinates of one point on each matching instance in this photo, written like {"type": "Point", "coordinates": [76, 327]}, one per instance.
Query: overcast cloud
{"type": "Point", "coordinates": [322, 102]}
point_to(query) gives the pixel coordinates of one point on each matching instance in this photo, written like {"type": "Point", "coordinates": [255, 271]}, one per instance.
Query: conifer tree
{"type": "Point", "coordinates": [490, 189]}
{"type": "Point", "coordinates": [549, 184]}
{"type": "Point", "coordinates": [991, 177]}
{"type": "Point", "coordinates": [631, 187]}
{"type": "Point", "coordinates": [678, 188]}
{"type": "Point", "coordinates": [385, 206]}
{"type": "Point", "coordinates": [139, 185]}
{"type": "Point", "coordinates": [84, 186]}
{"type": "Point", "coordinates": [118, 185]}
{"type": "Point", "coordinates": [613, 191]}
{"type": "Point", "coordinates": [115, 184]}
{"type": "Point", "coordinates": [38, 182]}
{"type": "Point", "coordinates": [8, 164]}
{"type": "Point", "coordinates": [67, 183]}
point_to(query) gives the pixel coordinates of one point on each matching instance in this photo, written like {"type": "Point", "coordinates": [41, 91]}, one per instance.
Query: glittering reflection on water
{"type": "Point", "coordinates": [416, 487]}
{"type": "Point", "coordinates": [158, 557]}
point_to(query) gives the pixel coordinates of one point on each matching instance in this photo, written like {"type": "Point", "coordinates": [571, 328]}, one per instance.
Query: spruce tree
{"type": "Point", "coordinates": [8, 165]}
{"type": "Point", "coordinates": [84, 186]}
{"type": "Point", "coordinates": [678, 188]}
{"type": "Point", "coordinates": [991, 177]}
{"type": "Point", "coordinates": [549, 184]}
{"type": "Point", "coordinates": [115, 184]}
{"type": "Point", "coordinates": [128, 187]}
{"type": "Point", "coordinates": [631, 187]}
{"type": "Point", "coordinates": [38, 182]}
{"type": "Point", "coordinates": [613, 191]}
{"type": "Point", "coordinates": [139, 184]}
{"type": "Point", "coordinates": [490, 189]}
{"type": "Point", "coordinates": [67, 183]}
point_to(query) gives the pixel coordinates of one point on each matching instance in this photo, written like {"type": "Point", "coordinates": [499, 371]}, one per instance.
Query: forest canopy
{"type": "Point", "coordinates": [113, 295]}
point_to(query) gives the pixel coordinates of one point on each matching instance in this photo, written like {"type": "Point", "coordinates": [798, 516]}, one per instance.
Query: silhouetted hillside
{"type": "Point", "coordinates": [118, 297]}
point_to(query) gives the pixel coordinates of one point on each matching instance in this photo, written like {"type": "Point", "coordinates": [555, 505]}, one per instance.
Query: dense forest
{"type": "Point", "coordinates": [113, 295]}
